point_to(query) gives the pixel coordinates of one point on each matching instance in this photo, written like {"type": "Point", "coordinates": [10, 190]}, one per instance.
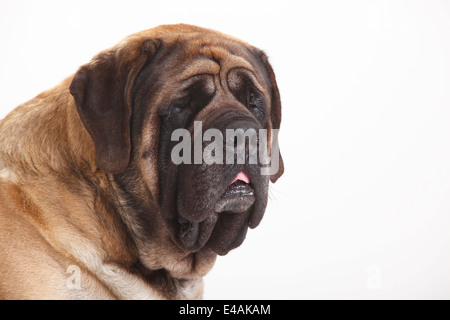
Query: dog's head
{"type": "Point", "coordinates": [170, 111]}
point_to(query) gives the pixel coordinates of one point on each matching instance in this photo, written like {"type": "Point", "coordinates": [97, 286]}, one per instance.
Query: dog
{"type": "Point", "coordinates": [92, 205]}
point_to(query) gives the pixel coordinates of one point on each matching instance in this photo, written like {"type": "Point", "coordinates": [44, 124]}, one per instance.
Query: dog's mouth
{"type": "Point", "coordinates": [229, 219]}
{"type": "Point", "coordinates": [238, 197]}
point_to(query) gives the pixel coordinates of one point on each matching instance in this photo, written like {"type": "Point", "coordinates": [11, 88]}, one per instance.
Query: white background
{"type": "Point", "coordinates": [363, 209]}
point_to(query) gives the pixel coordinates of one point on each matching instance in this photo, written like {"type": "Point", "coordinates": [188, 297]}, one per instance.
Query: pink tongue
{"type": "Point", "coordinates": [241, 176]}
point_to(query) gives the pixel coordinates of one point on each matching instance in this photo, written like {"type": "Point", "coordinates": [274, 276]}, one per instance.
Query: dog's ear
{"type": "Point", "coordinates": [102, 91]}
{"type": "Point", "coordinates": [275, 113]}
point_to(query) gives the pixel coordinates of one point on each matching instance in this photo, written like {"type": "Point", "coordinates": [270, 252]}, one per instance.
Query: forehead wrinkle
{"type": "Point", "coordinates": [235, 61]}
{"type": "Point", "coordinates": [228, 57]}
{"type": "Point", "coordinates": [200, 66]}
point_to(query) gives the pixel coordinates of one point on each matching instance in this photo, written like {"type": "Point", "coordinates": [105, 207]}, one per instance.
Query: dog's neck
{"type": "Point", "coordinates": [41, 134]}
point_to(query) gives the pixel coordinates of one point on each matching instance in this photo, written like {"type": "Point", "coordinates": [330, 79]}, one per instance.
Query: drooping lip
{"type": "Point", "coordinates": [242, 193]}
{"type": "Point", "coordinates": [237, 198]}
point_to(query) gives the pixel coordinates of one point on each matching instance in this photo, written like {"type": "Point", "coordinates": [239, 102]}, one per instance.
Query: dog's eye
{"type": "Point", "coordinates": [254, 102]}
{"type": "Point", "coordinates": [179, 104]}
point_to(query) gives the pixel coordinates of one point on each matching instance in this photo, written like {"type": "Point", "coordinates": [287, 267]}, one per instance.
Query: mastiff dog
{"type": "Point", "coordinates": [92, 203]}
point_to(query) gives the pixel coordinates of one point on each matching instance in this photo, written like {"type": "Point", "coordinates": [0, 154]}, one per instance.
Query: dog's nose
{"type": "Point", "coordinates": [242, 141]}
{"type": "Point", "coordinates": [239, 130]}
